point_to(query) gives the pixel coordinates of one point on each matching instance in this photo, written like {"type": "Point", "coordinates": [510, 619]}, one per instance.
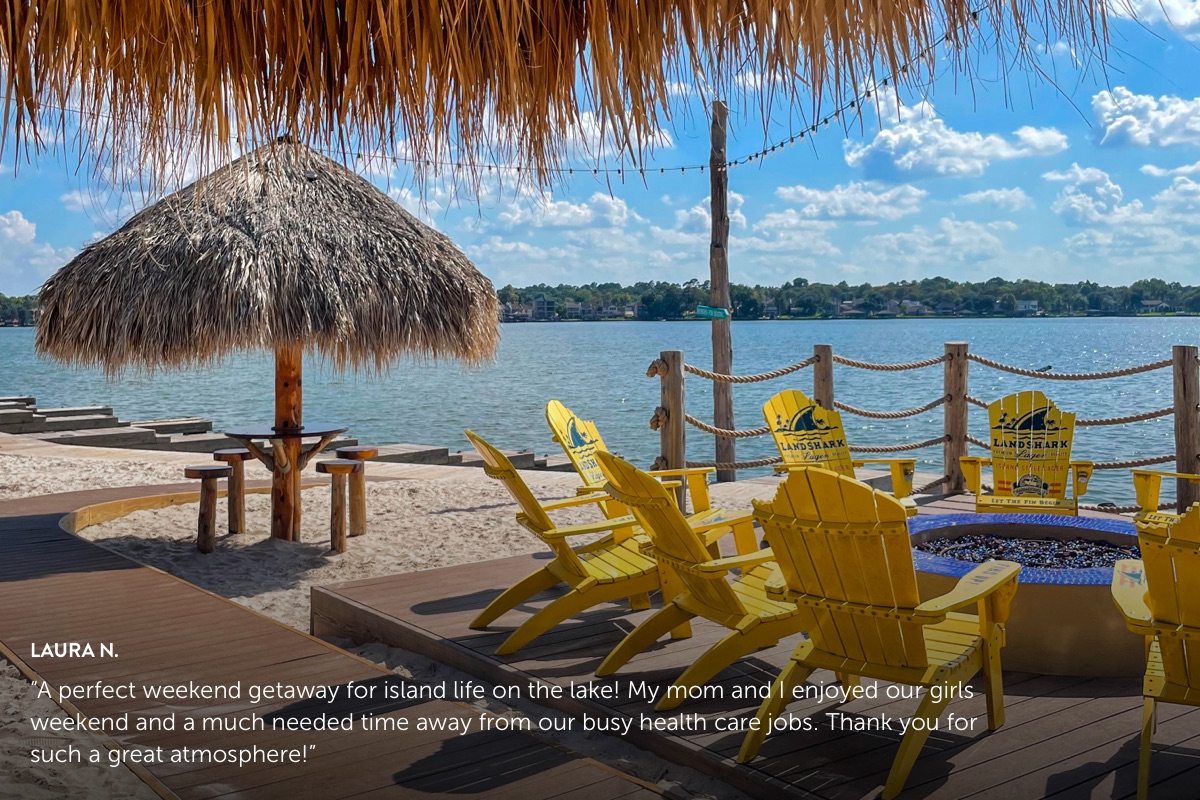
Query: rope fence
{"type": "Point", "coordinates": [908, 412]}
{"type": "Point", "coordinates": [850, 362]}
{"type": "Point", "coordinates": [1070, 376]}
{"type": "Point", "coordinates": [672, 420]}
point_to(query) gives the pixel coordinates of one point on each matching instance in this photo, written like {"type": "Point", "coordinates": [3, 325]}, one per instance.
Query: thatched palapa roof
{"type": "Point", "coordinates": [282, 246]}
{"type": "Point", "coordinates": [486, 79]}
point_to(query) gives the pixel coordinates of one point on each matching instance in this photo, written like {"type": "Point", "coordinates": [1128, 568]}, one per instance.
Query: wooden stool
{"type": "Point", "coordinates": [235, 458]}
{"type": "Point", "coordinates": [358, 485]}
{"type": "Point", "coordinates": [338, 469]}
{"type": "Point", "coordinates": [206, 525]}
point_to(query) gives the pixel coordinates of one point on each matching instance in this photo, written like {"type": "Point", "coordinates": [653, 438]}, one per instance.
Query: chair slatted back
{"type": "Point", "coordinates": [579, 438]}
{"type": "Point", "coordinates": [1031, 446]}
{"type": "Point", "coordinates": [837, 539]}
{"type": "Point", "coordinates": [806, 433]}
{"type": "Point", "coordinates": [673, 537]}
{"type": "Point", "coordinates": [532, 516]}
{"type": "Point", "coordinates": [1171, 556]}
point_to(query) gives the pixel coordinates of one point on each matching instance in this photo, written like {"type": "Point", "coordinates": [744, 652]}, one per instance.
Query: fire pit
{"type": "Point", "coordinates": [1063, 619]}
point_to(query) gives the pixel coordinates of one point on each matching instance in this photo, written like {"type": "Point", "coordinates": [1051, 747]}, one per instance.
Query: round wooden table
{"type": "Point", "coordinates": [288, 457]}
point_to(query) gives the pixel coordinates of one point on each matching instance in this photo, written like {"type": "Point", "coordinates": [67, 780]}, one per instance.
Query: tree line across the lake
{"type": "Point", "coordinates": [655, 300]}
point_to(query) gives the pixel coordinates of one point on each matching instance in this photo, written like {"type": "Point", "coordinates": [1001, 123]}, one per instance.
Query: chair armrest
{"type": "Point", "coordinates": [1129, 589]}
{"type": "Point", "coordinates": [571, 502]}
{"type": "Point", "coordinates": [588, 489]}
{"type": "Point", "coordinates": [738, 518]}
{"type": "Point", "coordinates": [971, 588]}
{"type": "Point", "coordinates": [1148, 482]}
{"type": "Point", "coordinates": [683, 471]}
{"type": "Point", "coordinates": [902, 470]}
{"type": "Point", "coordinates": [600, 526]}
{"type": "Point", "coordinates": [972, 467]}
{"type": "Point", "coordinates": [1082, 471]}
{"type": "Point", "coordinates": [723, 565]}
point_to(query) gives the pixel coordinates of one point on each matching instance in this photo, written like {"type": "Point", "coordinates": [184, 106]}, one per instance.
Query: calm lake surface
{"type": "Point", "coordinates": [598, 370]}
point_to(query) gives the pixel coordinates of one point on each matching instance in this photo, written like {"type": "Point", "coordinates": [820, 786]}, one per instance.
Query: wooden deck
{"type": "Point", "coordinates": [55, 587]}
{"type": "Point", "coordinates": [1065, 738]}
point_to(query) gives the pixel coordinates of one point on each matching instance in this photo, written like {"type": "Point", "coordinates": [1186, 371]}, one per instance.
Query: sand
{"type": "Point", "coordinates": [27, 476]}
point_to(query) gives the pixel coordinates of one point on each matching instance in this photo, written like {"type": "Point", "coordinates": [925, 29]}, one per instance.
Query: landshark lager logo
{"type": "Point", "coordinates": [584, 446]}
{"type": "Point", "coordinates": [809, 433]}
{"type": "Point", "coordinates": [578, 437]}
{"type": "Point", "coordinates": [1031, 447]}
{"type": "Point", "coordinates": [1034, 434]}
{"type": "Point", "coordinates": [1030, 484]}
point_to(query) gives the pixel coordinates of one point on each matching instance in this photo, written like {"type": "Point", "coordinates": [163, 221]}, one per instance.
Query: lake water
{"type": "Point", "coordinates": [598, 370]}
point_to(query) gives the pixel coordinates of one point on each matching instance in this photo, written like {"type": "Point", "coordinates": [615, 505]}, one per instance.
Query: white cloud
{"type": "Point", "coordinates": [1182, 15]}
{"type": "Point", "coordinates": [951, 241]}
{"type": "Point", "coordinates": [26, 262]}
{"type": "Point", "coordinates": [854, 201]}
{"type": "Point", "coordinates": [1013, 199]}
{"type": "Point", "coordinates": [920, 144]}
{"type": "Point", "coordinates": [1166, 172]}
{"type": "Point", "coordinates": [1142, 120]}
{"type": "Point", "coordinates": [1090, 197]}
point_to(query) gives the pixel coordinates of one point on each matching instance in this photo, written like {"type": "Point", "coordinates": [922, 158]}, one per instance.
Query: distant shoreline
{"type": "Point", "coordinates": [1124, 315]}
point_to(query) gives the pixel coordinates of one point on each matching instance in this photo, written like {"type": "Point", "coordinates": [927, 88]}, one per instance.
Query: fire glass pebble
{"type": "Point", "coordinates": [1046, 553]}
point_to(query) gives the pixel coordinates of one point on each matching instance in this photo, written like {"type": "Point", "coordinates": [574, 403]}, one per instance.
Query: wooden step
{"type": "Point", "coordinates": [520, 460]}
{"type": "Point", "coordinates": [84, 423]}
{"type": "Point", "coordinates": [24, 400]}
{"type": "Point", "coordinates": [77, 411]}
{"type": "Point", "coordinates": [177, 425]}
{"type": "Point", "coordinates": [125, 436]}
{"type": "Point", "coordinates": [412, 454]}
{"type": "Point", "coordinates": [454, 459]}
{"type": "Point", "coordinates": [558, 463]}
{"type": "Point", "coordinates": [21, 420]}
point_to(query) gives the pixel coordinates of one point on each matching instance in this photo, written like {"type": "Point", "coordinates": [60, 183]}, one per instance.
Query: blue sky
{"type": "Point", "coordinates": [1096, 177]}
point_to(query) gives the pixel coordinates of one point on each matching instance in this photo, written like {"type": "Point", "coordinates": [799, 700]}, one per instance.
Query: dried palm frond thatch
{"type": "Point", "coordinates": [281, 247]}
{"type": "Point", "coordinates": [501, 79]}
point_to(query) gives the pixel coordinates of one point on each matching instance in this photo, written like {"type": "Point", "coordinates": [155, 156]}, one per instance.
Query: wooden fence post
{"type": "Point", "coordinates": [823, 375]}
{"type": "Point", "coordinates": [1187, 423]}
{"type": "Point", "coordinates": [955, 447]}
{"type": "Point", "coordinates": [673, 430]}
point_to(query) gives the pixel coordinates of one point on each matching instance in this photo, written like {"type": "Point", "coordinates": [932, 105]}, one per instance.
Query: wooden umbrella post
{"type": "Point", "coordinates": [285, 483]}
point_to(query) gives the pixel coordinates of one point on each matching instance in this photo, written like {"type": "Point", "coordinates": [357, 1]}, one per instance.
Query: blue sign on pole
{"type": "Point", "coordinates": [709, 312]}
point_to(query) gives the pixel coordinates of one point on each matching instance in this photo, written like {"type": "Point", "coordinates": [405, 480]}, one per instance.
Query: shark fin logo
{"type": "Point", "coordinates": [577, 437]}
{"type": "Point", "coordinates": [805, 423]}
{"type": "Point", "coordinates": [1037, 420]}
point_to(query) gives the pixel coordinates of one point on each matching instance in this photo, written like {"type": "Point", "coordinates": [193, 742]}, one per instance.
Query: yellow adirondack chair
{"type": "Point", "coordinates": [580, 439]}
{"type": "Point", "coordinates": [609, 569]}
{"type": "Point", "coordinates": [1147, 486]}
{"type": "Point", "coordinates": [808, 435]}
{"type": "Point", "coordinates": [1160, 598]}
{"type": "Point", "coordinates": [845, 560]}
{"type": "Point", "coordinates": [1030, 460]}
{"type": "Point", "coordinates": [754, 620]}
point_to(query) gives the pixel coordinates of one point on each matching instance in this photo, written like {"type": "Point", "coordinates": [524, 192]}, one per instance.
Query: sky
{"type": "Point", "coordinates": [1068, 172]}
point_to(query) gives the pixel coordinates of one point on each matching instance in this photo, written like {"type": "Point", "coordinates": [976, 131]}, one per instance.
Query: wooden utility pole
{"type": "Point", "coordinates": [673, 430]}
{"type": "Point", "coordinates": [718, 292]}
{"type": "Point", "coordinates": [955, 385]}
{"type": "Point", "coordinates": [1187, 424]}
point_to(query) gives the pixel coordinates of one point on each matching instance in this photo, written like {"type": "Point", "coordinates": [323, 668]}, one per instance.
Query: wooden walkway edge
{"type": "Point", "coordinates": [55, 587]}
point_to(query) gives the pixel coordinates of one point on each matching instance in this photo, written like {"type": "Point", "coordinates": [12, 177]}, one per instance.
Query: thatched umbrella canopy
{"type": "Point", "coordinates": [498, 79]}
{"type": "Point", "coordinates": [283, 249]}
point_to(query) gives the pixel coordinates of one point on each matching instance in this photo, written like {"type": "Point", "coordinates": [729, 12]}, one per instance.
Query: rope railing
{"type": "Point", "coordinates": [931, 485]}
{"type": "Point", "coordinates": [1088, 423]}
{"type": "Point", "coordinates": [762, 376]}
{"type": "Point", "coordinates": [1162, 412]}
{"type": "Point", "coordinates": [762, 462]}
{"type": "Point", "coordinates": [908, 412]}
{"type": "Point", "coordinates": [1134, 463]}
{"type": "Point", "coordinates": [979, 442]}
{"type": "Point", "coordinates": [896, 448]}
{"type": "Point", "coordinates": [850, 362]}
{"type": "Point", "coordinates": [725, 432]}
{"type": "Point", "coordinates": [1070, 376]}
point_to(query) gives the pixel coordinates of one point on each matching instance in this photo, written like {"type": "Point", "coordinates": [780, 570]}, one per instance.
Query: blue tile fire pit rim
{"type": "Point", "coordinates": [953, 568]}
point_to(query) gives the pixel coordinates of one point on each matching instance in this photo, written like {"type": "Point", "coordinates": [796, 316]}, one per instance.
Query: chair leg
{"type": "Point", "coordinates": [1148, 721]}
{"type": "Point", "coordinates": [563, 608]}
{"type": "Point", "coordinates": [993, 684]}
{"type": "Point", "coordinates": [794, 673]}
{"type": "Point", "coordinates": [639, 602]}
{"type": "Point", "coordinates": [913, 741]}
{"type": "Point", "coordinates": [650, 631]}
{"type": "Point", "coordinates": [526, 588]}
{"type": "Point", "coordinates": [672, 587]}
{"type": "Point", "coordinates": [849, 682]}
{"type": "Point", "coordinates": [734, 646]}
